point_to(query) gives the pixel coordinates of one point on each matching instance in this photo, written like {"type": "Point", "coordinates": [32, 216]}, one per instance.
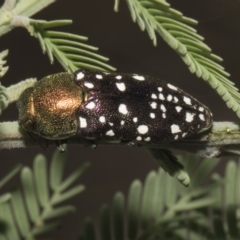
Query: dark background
{"type": "Point", "coordinates": [129, 50]}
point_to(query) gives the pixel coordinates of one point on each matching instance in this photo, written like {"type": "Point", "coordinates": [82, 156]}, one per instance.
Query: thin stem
{"type": "Point", "coordinates": [222, 140]}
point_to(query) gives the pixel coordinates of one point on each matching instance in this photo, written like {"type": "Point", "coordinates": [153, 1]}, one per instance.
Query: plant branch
{"type": "Point", "coordinates": [12, 9]}
{"type": "Point", "coordinates": [222, 140]}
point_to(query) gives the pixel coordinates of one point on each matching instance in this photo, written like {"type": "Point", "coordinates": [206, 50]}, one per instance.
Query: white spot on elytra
{"type": "Point", "coordinates": [178, 108]}
{"type": "Point", "coordinates": [121, 86]}
{"type": "Point", "coordinates": [119, 77]}
{"type": "Point", "coordinates": [110, 123]}
{"type": "Point", "coordinates": [110, 133]}
{"type": "Point", "coordinates": [139, 78]}
{"type": "Point", "coordinates": [152, 115]}
{"type": "Point", "coordinates": [91, 105]}
{"type": "Point", "coordinates": [122, 108]}
{"type": "Point", "coordinates": [162, 107]}
{"type": "Point", "coordinates": [201, 116]}
{"type": "Point", "coordinates": [187, 100]}
{"type": "Point", "coordinates": [184, 134]}
{"type": "Point", "coordinates": [147, 139]}
{"type": "Point", "coordinates": [159, 89]}
{"type": "Point", "coordinates": [176, 137]}
{"type": "Point", "coordinates": [135, 119]}
{"type": "Point", "coordinates": [175, 99]}
{"type": "Point", "coordinates": [154, 96]}
{"type": "Point", "coordinates": [83, 122]}
{"type": "Point", "coordinates": [122, 122]}
{"type": "Point", "coordinates": [171, 87]}
{"type": "Point", "coordinates": [139, 138]}
{"type": "Point", "coordinates": [98, 76]}
{"type": "Point", "coordinates": [164, 115]}
{"type": "Point", "coordinates": [88, 85]}
{"type": "Point", "coordinates": [169, 97]}
{"type": "Point", "coordinates": [175, 129]}
{"type": "Point", "coordinates": [102, 119]}
{"type": "Point", "coordinates": [189, 117]}
{"type": "Point", "coordinates": [80, 76]}
{"type": "Point", "coordinates": [161, 97]}
{"type": "Point", "coordinates": [153, 105]}
{"type": "Point", "coordinates": [201, 109]}
{"type": "Point", "coordinates": [142, 129]}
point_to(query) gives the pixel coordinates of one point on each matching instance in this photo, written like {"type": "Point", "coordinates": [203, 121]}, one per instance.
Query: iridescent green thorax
{"type": "Point", "coordinates": [49, 107]}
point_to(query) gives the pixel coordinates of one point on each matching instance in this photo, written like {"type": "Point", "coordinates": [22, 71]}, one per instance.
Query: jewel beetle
{"type": "Point", "coordinates": [110, 107]}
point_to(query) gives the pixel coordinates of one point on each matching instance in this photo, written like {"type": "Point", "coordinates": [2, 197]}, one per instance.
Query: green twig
{"type": "Point", "coordinates": [222, 140]}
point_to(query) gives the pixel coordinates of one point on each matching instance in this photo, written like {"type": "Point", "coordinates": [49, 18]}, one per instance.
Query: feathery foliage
{"type": "Point", "coordinates": [156, 16]}
{"type": "Point", "coordinates": [26, 213]}
{"type": "Point", "coordinates": [12, 9]}
{"type": "Point", "coordinates": [3, 70]}
{"type": "Point", "coordinates": [69, 49]}
{"type": "Point", "coordinates": [160, 209]}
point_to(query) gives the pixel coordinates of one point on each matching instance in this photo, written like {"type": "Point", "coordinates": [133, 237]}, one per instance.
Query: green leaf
{"type": "Point", "coordinates": [58, 198]}
{"type": "Point", "coordinates": [148, 192]}
{"type": "Point", "coordinates": [118, 206]}
{"type": "Point", "coordinates": [41, 176]}
{"type": "Point", "coordinates": [9, 229]}
{"type": "Point", "coordinates": [105, 228]}
{"type": "Point", "coordinates": [20, 213]}
{"type": "Point", "coordinates": [116, 5]}
{"type": "Point", "coordinates": [29, 193]}
{"type": "Point", "coordinates": [58, 212]}
{"type": "Point", "coordinates": [5, 198]}
{"type": "Point", "coordinates": [173, 27]}
{"type": "Point", "coordinates": [89, 233]}
{"type": "Point", "coordinates": [133, 215]}
{"type": "Point", "coordinates": [195, 204]}
{"type": "Point", "coordinates": [56, 169]}
{"type": "Point", "coordinates": [3, 69]}
{"type": "Point", "coordinates": [32, 210]}
{"type": "Point", "coordinates": [74, 176]}
{"type": "Point", "coordinates": [231, 185]}
{"type": "Point", "coordinates": [204, 170]}
{"type": "Point", "coordinates": [69, 49]}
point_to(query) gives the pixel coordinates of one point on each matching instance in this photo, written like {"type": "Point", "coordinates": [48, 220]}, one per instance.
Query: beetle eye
{"type": "Point", "coordinates": [28, 125]}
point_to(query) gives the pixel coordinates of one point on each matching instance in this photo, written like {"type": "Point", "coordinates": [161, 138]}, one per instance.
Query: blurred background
{"type": "Point", "coordinates": [130, 50]}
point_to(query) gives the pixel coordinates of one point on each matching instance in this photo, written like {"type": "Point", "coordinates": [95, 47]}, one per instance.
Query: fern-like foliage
{"type": "Point", "coordinates": [156, 16]}
{"type": "Point", "coordinates": [160, 208]}
{"type": "Point", "coordinates": [26, 215]}
{"type": "Point", "coordinates": [3, 68]}
{"type": "Point", "coordinates": [3, 91]}
{"type": "Point", "coordinates": [69, 49]}
{"type": "Point", "coordinates": [225, 215]}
